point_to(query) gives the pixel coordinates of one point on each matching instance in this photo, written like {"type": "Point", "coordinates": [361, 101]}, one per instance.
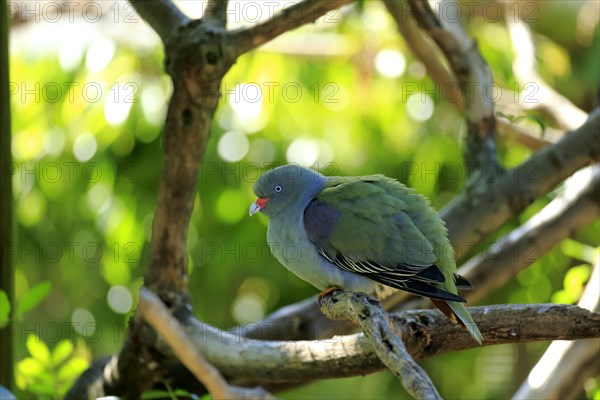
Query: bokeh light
{"type": "Point", "coordinates": [85, 146]}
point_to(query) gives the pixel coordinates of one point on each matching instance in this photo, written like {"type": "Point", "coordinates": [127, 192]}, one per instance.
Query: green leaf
{"type": "Point", "coordinates": [540, 122]}
{"type": "Point", "coordinates": [61, 352]}
{"type": "Point", "coordinates": [38, 349]}
{"type": "Point", "coordinates": [4, 309]}
{"type": "Point", "coordinates": [33, 297]}
{"type": "Point", "coordinates": [576, 277]}
{"type": "Point", "coordinates": [509, 117]}
{"type": "Point", "coordinates": [44, 378]}
{"type": "Point", "coordinates": [72, 368]}
{"type": "Point", "coordinates": [30, 367]}
{"type": "Point", "coordinates": [40, 388]}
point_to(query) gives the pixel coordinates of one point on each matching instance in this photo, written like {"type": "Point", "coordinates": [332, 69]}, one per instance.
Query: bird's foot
{"type": "Point", "coordinates": [326, 292]}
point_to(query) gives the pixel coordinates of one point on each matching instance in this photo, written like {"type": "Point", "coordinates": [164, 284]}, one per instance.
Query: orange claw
{"type": "Point", "coordinates": [326, 292]}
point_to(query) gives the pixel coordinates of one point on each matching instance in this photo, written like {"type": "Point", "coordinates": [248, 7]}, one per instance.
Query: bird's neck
{"type": "Point", "coordinates": [314, 187]}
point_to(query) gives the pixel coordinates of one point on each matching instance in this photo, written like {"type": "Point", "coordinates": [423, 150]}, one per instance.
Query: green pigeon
{"type": "Point", "coordinates": [367, 234]}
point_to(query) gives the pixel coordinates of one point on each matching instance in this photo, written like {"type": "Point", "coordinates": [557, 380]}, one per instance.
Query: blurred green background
{"type": "Point", "coordinates": [89, 101]}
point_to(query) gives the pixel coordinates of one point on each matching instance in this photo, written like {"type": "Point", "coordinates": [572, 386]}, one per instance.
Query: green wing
{"type": "Point", "coordinates": [379, 228]}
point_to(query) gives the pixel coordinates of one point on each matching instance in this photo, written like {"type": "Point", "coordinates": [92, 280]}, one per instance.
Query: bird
{"type": "Point", "coordinates": [369, 234]}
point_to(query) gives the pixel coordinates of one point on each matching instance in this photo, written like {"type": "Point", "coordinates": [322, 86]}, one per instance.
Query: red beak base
{"type": "Point", "coordinates": [258, 205]}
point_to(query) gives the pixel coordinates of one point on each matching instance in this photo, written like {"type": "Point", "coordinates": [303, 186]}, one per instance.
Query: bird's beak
{"type": "Point", "coordinates": [258, 205]}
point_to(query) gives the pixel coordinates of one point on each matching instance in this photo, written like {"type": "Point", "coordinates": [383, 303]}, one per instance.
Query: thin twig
{"type": "Point", "coordinates": [156, 314]}
{"type": "Point", "coordinates": [529, 139]}
{"type": "Point", "coordinates": [429, 54]}
{"type": "Point", "coordinates": [473, 74]}
{"type": "Point", "coordinates": [390, 349]}
{"type": "Point", "coordinates": [547, 99]}
{"type": "Point", "coordinates": [425, 49]}
{"type": "Point", "coordinates": [216, 11]}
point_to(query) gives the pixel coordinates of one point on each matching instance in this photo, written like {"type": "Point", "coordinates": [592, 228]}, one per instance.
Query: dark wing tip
{"type": "Point", "coordinates": [417, 287]}
{"type": "Point", "coordinates": [462, 282]}
{"type": "Point", "coordinates": [431, 274]}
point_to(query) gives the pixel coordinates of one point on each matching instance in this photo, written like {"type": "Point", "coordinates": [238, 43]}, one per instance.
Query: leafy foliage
{"type": "Point", "coordinates": [49, 374]}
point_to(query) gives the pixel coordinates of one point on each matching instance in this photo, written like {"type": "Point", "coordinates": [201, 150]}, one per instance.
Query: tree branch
{"type": "Point", "coordinates": [481, 210]}
{"type": "Point", "coordinates": [565, 366]}
{"type": "Point", "coordinates": [549, 101]}
{"type": "Point", "coordinates": [533, 141]}
{"type": "Point", "coordinates": [162, 15]}
{"type": "Point", "coordinates": [158, 316]}
{"type": "Point", "coordinates": [291, 17]}
{"type": "Point", "coordinates": [216, 12]}
{"type": "Point", "coordinates": [299, 321]}
{"type": "Point", "coordinates": [473, 75]}
{"type": "Point", "coordinates": [426, 333]}
{"type": "Point", "coordinates": [425, 50]}
{"type": "Point", "coordinates": [7, 283]}
{"type": "Point", "coordinates": [197, 58]}
{"type": "Point", "coordinates": [574, 208]}
{"type": "Point", "coordinates": [429, 54]}
{"type": "Point", "coordinates": [360, 308]}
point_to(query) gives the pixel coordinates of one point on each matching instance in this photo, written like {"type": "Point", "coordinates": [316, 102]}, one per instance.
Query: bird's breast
{"type": "Point", "coordinates": [290, 245]}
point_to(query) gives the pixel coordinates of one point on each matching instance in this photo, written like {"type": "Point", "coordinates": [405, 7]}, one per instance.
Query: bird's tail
{"type": "Point", "coordinates": [457, 312]}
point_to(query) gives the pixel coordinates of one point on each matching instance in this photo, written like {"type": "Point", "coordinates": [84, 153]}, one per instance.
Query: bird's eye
{"type": "Point", "coordinates": [277, 189]}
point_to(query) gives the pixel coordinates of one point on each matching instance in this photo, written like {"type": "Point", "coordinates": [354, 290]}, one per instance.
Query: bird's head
{"type": "Point", "coordinates": [283, 187]}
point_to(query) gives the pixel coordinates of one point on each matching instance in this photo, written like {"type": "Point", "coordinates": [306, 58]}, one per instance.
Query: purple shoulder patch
{"type": "Point", "coordinates": [320, 220]}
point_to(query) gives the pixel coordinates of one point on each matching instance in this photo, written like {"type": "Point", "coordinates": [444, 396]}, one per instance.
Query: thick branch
{"type": "Point", "coordinates": [291, 17]}
{"type": "Point", "coordinates": [158, 316]}
{"type": "Point", "coordinates": [426, 333]}
{"type": "Point", "coordinates": [481, 210]}
{"type": "Point", "coordinates": [162, 15]}
{"type": "Point", "coordinates": [574, 208]}
{"type": "Point", "coordinates": [360, 308]}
